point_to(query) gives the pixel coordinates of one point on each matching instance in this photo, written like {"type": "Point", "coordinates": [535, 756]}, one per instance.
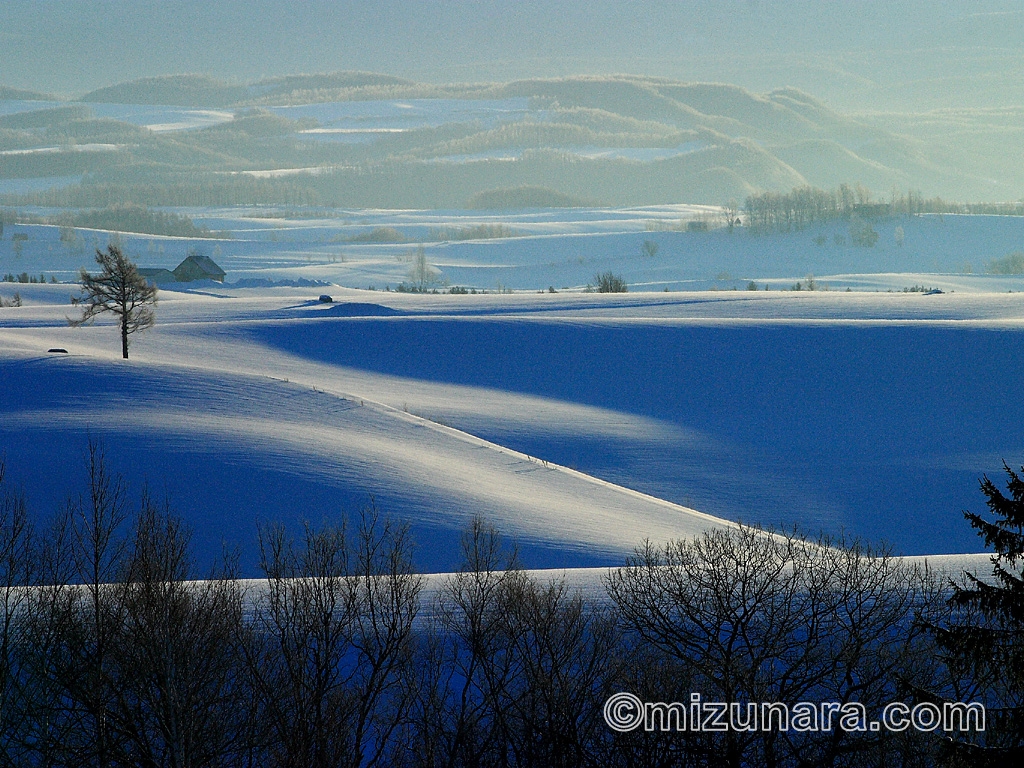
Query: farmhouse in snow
{"type": "Point", "coordinates": [195, 266]}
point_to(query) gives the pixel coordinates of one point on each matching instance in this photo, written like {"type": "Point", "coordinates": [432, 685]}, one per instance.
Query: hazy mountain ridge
{"type": "Point", "coordinates": [18, 93]}
{"type": "Point", "coordinates": [197, 90]}
{"type": "Point", "coordinates": [621, 140]}
{"type": "Point", "coordinates": [917, 54]}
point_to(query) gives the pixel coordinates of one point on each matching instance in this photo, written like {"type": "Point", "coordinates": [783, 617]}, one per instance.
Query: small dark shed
{"type": "Point", "coordinates": [157, 275]}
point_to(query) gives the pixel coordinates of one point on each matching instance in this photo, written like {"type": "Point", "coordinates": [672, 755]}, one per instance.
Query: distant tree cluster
{"type": "Point", "coordinates": [385, 234]}
{"type": "Point", "coordinates": [25, 277]}
{"type": "Point", "coordinates": [526, 196]}
{"type": "Point", "coordinates": [422, 274]}
{"type": "Point", "coordinates": [65, 162]}
{"type": "Point", "coordinates": [649, 248]}
{"type": "Point", "coordinates": [190, 190]}
{"type": "Point", "coordinates": [45, 118]}
{"type": "Point", "coordinates": [862, 233]}
{"type": "Point", "coordinates": [138, 218]}
{"type": "Point", "coordinates": [1011, 264]}
{"type": "Point", "coordinates": [547, 135]}
{"type": "Point", "coordinates": [482, 231]}
{"type": "Point", "coordinates": [803, 206]}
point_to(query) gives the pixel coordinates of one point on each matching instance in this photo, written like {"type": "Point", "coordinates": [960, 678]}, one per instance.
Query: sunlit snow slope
{"type": "Point", "coordinates": [579, 424]}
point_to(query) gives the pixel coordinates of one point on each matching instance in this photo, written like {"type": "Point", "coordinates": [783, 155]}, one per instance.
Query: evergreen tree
{"type": "Point", "coordinates": [986, 640]}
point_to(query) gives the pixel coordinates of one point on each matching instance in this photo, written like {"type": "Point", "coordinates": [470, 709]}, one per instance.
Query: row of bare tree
{"type": "Point", "coordinates": [802, 206]}
{"type": "Point", "coordinates": [114, 653]}
{"type": "Point", "coordinates": [797, 209]}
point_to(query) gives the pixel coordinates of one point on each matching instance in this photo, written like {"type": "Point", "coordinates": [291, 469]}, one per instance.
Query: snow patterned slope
{"type": "Point", "coordinates": [232, 450]}
{"type": "Point", "coordinates": [869, 413]}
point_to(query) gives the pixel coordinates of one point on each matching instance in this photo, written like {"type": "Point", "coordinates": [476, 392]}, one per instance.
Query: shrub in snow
{"type": "Point", "coordinates": [608, 282]}
{"type": "Point", "coordinates": [863, 234]}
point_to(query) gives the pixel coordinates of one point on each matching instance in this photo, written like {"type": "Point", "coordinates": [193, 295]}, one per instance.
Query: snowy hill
{"type": "Point", "coordinates": [364, 140]}
{"type": "Point", "coordinates": [577, 423]}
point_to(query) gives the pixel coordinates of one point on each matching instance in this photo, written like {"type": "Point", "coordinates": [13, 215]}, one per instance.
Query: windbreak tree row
{"type": "Point", "coordinates": [115, 651]}
{"type": "Point", "coordinates": [772, 211]}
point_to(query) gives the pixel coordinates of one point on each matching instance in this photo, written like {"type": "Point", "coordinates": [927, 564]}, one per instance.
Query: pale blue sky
{"type": "Point", "coordinates": [71, 46]}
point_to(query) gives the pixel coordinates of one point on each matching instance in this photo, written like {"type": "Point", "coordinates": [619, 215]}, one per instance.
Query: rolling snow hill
{"type": "Point", "coordinates": [578, 423]}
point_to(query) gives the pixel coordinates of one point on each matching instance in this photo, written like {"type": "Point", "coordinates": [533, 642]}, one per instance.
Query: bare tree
{"type": "Point", "coordinates": [124, 658]}
{"type": "Point", "coordinates": [422, 274]}
{"type": "Point", "coordinates": [731, 214]}
{"type": "Point", "coordinates": [564, 652]}
{"type": "Point", "coordinates": [18, 568]}
{"type": "Point", "coordinates": [330, 647]}
{"type": "Point", "coordinates": [478, 662]}
{"type": "Point", "coordinates": [118, 288]}
{"type": "Point", "coordinates": [766, 618]}
{"type": "Point", "coordinates": [49, 729]}
{"type": "Point", "coordinates": [296, 646]}
{"type": "Point", "coordinates": [79, 619]}
{"type": "Point", "coordinates": [511, 671]}
{"type": "Point", "coordinates": [180, 695]}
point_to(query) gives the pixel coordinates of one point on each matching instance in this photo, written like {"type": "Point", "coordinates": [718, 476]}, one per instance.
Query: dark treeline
{"type": "Point", "coordinates": [803, 206]}
{"type": "Point", "coordinates": [403, 182]}
{"type": "Point", "coordinates": [128, 217]}
{"type": "Point", "coordinates": [118, 217]}
{"type": "Point", "coordinates": [113, 652]}
{"type": "Point", "coordinates": [223, 191]}
{"type": "Point", "coordinates": [53, 163]}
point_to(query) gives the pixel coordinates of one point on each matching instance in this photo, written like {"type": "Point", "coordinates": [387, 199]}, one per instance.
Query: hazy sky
{"type": "Point", "coordinates": [70, 46]}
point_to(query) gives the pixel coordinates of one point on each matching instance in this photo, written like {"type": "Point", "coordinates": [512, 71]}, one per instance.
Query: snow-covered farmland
{"type": "Point", "coordinates": [562, 249]}
{"type": "Point", "coordinates": [578, 423]}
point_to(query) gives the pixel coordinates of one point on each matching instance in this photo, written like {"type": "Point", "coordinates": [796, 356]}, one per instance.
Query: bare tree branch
{"type": "Point", "coordinates": [120, 289]}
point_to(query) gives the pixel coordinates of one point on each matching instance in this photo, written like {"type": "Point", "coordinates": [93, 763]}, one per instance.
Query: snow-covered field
{"type": "Point", "coordinates": [557, 248]}
{"type": "Point", "coordinates": [579, 424]}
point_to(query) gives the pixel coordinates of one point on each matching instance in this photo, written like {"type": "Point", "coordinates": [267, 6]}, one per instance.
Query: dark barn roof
{"type": "Point", "coordinates": [157, 275]}
{"type": "Point", "coordinates": [196, 266]}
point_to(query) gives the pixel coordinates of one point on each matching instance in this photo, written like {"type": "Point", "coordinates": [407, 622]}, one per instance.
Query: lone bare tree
{"type": "Point", "coordinates": [118, 288]}
{"type": "Point", "coordinates": [422, 274]}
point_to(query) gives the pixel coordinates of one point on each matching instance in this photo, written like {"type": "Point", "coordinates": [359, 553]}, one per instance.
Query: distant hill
{"type": "Point", "coordinates": [321, 87]}
{"type": "Point", "coordinates": [174, 90]}
{"type": "Point", "coordinates": [204, 91]}
{"type": "Point", "coordinates": [45, 118]}
{"type": "Point", "coordinates": [17, 93]}
{"type": "Point", "coordinates": [931, 54]}
{"type": "Point", "coordinates": [522, 197]}
{"type": "Point", "coordinates": [363, 139]}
